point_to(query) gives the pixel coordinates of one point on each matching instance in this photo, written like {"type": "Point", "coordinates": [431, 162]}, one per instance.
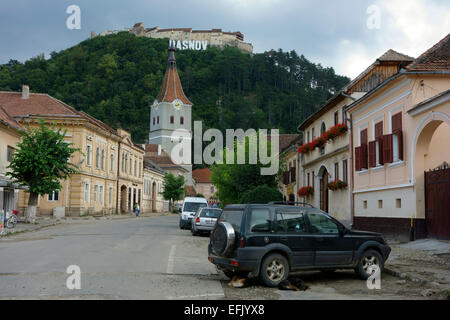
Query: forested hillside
{"type": "Point", "coordinates": [116, 78]}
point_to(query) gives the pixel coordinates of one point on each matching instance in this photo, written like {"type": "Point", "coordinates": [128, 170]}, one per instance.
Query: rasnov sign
{"type": "Point", "coordinates": [189, 44]}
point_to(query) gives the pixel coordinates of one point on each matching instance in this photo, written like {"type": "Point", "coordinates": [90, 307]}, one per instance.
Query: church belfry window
{"type": "Point", "coordinates": [171, 119]}
{"type": "Point", "coordinates": [181, 120]}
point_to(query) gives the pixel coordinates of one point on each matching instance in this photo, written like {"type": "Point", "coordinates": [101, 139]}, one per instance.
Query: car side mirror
{"type": "Point", "coordinates": [342, 231]}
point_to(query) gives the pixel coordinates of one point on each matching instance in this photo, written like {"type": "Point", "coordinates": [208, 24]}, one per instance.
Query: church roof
{"type": "Point", "coordinates": [171, 88]}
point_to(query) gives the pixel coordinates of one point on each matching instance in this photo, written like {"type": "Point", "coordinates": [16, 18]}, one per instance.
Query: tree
{"type": "Point", "coordinates": [261, 194]}
{"type": "Point", "coordinates": [234, 180]}
{"type": "Point", "coordinates": [40, 162]}
{"type": "Point", "coordinates": [173, 188]}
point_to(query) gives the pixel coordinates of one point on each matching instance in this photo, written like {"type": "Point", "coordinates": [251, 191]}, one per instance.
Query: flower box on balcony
{"type": "Point", "coordinates": [305, 191]}
{"type": "Point", "coordinates": [337, 184]}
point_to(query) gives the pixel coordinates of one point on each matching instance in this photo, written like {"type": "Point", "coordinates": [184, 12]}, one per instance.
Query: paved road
{"type": "Point", "coordinates": [145, 258]}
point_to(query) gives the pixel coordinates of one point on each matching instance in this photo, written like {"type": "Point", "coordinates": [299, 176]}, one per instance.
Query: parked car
{"type": "Point", "coordinates": [270, 240]}
{"type": "Point", "coordinates": [204, 220]}
{"type": "Point", "coordinates": [189, 208]}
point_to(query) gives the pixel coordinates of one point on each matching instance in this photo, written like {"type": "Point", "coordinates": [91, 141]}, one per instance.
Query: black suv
{"type": "Point", "coordinates": [271, 240]}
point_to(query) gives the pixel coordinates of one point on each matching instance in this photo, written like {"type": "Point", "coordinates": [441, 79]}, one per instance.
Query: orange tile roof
{"type": "Point", "coordinates": [171, 88]}
{"type": "Point", "coordinates": [8, 120]}
{"type": "Point", "coordinates": [437, 58]}
{"type": "Point", "coordinates": [202, 175]}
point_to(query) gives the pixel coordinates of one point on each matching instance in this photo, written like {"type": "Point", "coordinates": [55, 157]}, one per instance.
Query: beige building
{"type": "Point", "coordinates": [325, 153]}
{"type": "Point", "coordinates": [130, 173]}
{"type": "Point", "coordinates": [9, 138]}
{"type": "Point", "coordinates": [400, 133]}
{"type": "Point", "coordinates": [288, 144]}
{"type": "Point", "coordinates": [204, 185]}
{"type": "Point", "coordinates": [153, 187]}
{"type": "Point", "coordinates": [186, 36]}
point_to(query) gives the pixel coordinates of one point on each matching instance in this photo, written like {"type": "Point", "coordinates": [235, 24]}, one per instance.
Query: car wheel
{"type": "Point", "coordinates": [369, 259]}
{"type": "Point", "coordinates": [274, 269]}
{"type": "Point", "coordinates": [181, 225]}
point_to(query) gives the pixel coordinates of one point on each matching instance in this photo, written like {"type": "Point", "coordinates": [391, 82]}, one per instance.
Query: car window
{"type": "Point", "coordinates": [193, 206]}
{"type": "Point", "coordinates": [234, 217]}
{"type": "Point", "coordinates": [260, 220]}
{"type": "Point", "coordinates": [290, 222]}
{"type": "Point", "coordinates": [210, 213]}
{"type": "Point", "coordinates": [321, 224]}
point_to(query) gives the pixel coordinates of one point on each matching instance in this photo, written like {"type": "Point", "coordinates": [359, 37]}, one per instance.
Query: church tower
{"type": "Point", "coordinates": [170, 111]}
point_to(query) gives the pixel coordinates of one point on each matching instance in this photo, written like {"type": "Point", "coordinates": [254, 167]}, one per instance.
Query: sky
{"type": "Point", "coordinates": [346, 35]}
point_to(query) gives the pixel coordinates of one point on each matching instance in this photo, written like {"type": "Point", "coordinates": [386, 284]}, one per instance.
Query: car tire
{"type": "Point", "coordinates": [369, 258]}
{"type": "Point", "coordinates": [274, 269]}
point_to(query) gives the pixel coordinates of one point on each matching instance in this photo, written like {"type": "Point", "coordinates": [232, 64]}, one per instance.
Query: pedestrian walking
{"type": "Point", "coordinates": [136, 209]}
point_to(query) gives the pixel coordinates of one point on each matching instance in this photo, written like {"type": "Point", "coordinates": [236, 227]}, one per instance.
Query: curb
{"type": "Point", "coordinates": [13, 232]}
{"type": "Point", "coordinates": [405, 276]}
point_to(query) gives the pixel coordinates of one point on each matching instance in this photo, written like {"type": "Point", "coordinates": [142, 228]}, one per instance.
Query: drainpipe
{"type": "Point", "coordinates": [352, 196]}
{"type": "Point", "coordinates": [118, 174]}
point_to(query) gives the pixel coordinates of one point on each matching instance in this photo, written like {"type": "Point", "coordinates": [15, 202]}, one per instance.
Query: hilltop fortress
{"type": "Point", "coordinates": [186, 38]}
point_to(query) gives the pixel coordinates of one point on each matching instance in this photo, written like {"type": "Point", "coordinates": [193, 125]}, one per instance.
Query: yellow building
{"type": "Point", "coordinates": [9, 138]}
{"type": "Point", "coordinates": [130, 173]}
{"type": "Point", "coordinates": [288, 144]}
{"type": "Point", "coordinates": [153, 200]}
{"type": "Point", "coordinates": [94, 190]}
{"type": "Point", "coordinates": [401, 132]}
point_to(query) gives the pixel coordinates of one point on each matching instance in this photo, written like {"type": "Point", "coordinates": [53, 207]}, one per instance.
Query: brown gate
{"type": "Point", "coordinates": [437, 202]}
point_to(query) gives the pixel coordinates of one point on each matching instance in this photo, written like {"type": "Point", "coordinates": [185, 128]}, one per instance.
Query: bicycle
{"type": "Point", "coordinates": [11, 221]}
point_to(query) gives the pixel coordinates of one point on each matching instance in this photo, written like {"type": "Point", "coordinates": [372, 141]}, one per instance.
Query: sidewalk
{"type": "Point", "coordinates": [425, 261]}
{"type": "Point", "coordinates": [43, 222]}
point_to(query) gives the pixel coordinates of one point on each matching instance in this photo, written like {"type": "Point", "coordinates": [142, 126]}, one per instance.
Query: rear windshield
{"type": "Point", "coordinates": [210, 213]}
{"type": "Point", "coordinates": [234, 217]}
{"type": "Point", "coordinates": [193, 206]}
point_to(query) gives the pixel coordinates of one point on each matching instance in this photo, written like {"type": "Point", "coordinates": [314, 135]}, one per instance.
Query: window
{"type": "Point", "coordinates": [322, 131]}
{"type": "Point", "coordinates": [157, 119]}
{"type": "Point", "coordinates": [336, 171]}
{"type": "Point", "coordinates": [95, 193]}
{"type": "Point", "coordinates": [321, 224]}
{"type": "Point", "coordinates": [309, 137]}
{"type": "Point", "coordinates": [181, 120]}
{"type": "Point", "coordinates": [153, 120]}
{"type": "Point", "coordinates": [397, 142]}
{"type": "Point", "coordinates": [379, 143]}
{"type": "Point", "coordinates": [260, 220]}
{"type": "Point", "coordinates": [344, 171]}
{"type": "Point", "coordinates": [171, 119]}
{"type": "Point", "coordinates": [88, 155]}
{"type": "Point", "coordinates": [212, 189]}
{"type": "Point", "coordinates": [87, 191]}
{"type": "Point", "coordinates": [110, 195]}
{"type": "Point", "coordinates": [101, 194]}
{"type": "Point", "coordinates": [290, 222]}
{"type": "Point", "coordinates": [135, 167]}
{"type": "Point", "coordinates": [336, 117]}
{"type": "Point", "coordinates": [54, 196]}
{"type": "Point", "coordinates": [131, 165]}
{"type": "Point", "coordinates": [97, 157]}
{"type": "Point", "coordinates": [307, 175]}
{"type": "Point", "coordinates": [312, 134]}
{"type": "Point", "coordinates": [344, 116]}
{"type": "Point", "coordinates": [9, 153]}
{"type": "Point", "coordinates": [398, 203]}
{"type": "Point", "coordinates": [361, 152]}
{"type": "Point", "coordinates": [111, 164]}
{"type": "Point", "coordinates": [312, 180]}
{"type": "Point", "coordinates": [380, 204]}
{"type": "Point", "coordinates": [103, 159]}
{"type": "Point", "coordinates": [365, 204]}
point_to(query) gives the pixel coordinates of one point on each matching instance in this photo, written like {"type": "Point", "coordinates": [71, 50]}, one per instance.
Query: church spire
{"type": "Point", "coordinates": [171, 88]}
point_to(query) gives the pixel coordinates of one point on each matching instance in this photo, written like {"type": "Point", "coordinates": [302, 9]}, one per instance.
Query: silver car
{"type": "Point", "coordinates": [204, 220]}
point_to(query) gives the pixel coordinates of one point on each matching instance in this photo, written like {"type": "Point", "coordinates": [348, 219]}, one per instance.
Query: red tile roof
{"type": "Point", "coordinates": [190, 191]}
{"type": "Point", "coordinates": [202, 175]}
{"type": "Point", "coordinates": [171, 88]}
{"type": "Point", "coordinates": [437, 58]}
{"type": "Point", "coordinates": [163, 160]}
{"type": "Point", "coordinates": [9, 121]}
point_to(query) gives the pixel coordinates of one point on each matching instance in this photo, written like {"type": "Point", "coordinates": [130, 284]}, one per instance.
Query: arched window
{"type": "Point", "coordinates": [323, 128]}
{"type": "Point", "coordinates": [181, 120]}
{"type": "Point", "coordinates": [171, 119]}
{"type": "Point", "coordinates": [157, 119]}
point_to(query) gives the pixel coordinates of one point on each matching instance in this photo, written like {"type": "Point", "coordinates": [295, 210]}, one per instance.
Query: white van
{"type": "Point", "coordinates": [189, 208]}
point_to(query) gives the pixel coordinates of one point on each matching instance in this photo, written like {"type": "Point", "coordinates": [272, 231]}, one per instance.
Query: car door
{"type": "Point", "coordinates": [332, 247]}
{"type": "Point", "coordinates": [260, 229]}
{"type": "Point", "coordinates": [292, 231]}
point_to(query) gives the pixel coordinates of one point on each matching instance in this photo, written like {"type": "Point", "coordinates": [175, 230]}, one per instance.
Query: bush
{"type": "Point", "coordinates": [261, 194]}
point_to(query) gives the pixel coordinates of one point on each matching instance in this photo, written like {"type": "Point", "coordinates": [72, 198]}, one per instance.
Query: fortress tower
{"type": "Point", "coordinates": [170, 111]}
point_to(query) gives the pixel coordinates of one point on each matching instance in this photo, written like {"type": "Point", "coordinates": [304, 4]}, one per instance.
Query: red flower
{"type": "Point", "coordinates": [305, 191]}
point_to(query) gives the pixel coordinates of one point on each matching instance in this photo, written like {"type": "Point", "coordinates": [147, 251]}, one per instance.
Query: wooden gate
{"type": "Point", "coordinates": [437, 202]}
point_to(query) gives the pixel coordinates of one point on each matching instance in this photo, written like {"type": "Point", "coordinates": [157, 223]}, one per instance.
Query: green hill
{"type": "Point", "coordinates": [116, 78]}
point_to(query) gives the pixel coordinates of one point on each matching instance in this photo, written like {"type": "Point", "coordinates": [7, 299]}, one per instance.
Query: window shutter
{"type": "Point", "coordinates": [363, 137]}
{"type": "Point", "coordinates": [387, 148]}
{"type": "Point", "coordinates": [358, 158]}
{"type": "Point", "coordinates": [364, 156]}
{"type": "Point", "coordinates": [372, 154]}
{"type": "Point", "coordinates": [397, 122]}
{"type": "Point", "coordinates": [380, 150]}
{"type": "Point", "coordinates": [293, 174]}
{"type": "Point", "coordinates": [400, 145]}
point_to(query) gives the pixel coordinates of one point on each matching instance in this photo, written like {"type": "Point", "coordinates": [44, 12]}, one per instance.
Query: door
{"type": "Point", "coordinates": [331, 247]}
{"type": "Point", "coordinates": [292, 231]}
{"type": "Point", "coordinates": [437, 202]}
{"type": "Point", "coordinates": [324, 191]}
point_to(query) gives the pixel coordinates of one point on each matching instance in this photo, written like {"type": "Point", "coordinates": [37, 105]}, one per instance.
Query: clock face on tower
{"type": "Point", "coordinates": [177, 104]}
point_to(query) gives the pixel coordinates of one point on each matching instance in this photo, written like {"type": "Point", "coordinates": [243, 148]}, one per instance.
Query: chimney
{"type": "Point", "coordinates": [159, 149]}
{"type": "Point", "coordinates": [25, 91]}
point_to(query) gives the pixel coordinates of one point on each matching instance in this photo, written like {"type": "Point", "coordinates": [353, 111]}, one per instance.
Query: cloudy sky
{"type": "Point", "coordinates": [346, 35]}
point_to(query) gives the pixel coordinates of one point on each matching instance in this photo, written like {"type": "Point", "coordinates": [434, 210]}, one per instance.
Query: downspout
{"type": "Point", "coordinates": [118, 174]}
{"type": "Point", "coordinates": [352, 195]}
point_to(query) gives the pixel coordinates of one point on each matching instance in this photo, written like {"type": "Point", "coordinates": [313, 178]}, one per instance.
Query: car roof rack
{"type": "Point", "coordinates": [291, 202]}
